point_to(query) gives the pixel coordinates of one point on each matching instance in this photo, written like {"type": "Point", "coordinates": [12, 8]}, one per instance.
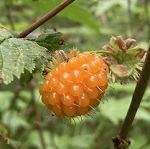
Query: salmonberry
{"type": "Point", "coordinates": [75, 87]}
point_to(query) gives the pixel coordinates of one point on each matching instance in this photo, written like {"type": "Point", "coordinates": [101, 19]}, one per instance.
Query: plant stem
{"type": "Point", "coordinates": [137, 96]}
{"type": "Point", "coordinates": [45, 18]}
{"type": "Point", "coordinates": [120, 141]}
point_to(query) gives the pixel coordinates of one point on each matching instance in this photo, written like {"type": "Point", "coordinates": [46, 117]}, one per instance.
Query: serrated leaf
{"type": "Point", "coordinates": [4, 34]}
{"type": "Point", "coordinates": [17, 55]}
{"type": "Point", "coordinates": [50, 40]}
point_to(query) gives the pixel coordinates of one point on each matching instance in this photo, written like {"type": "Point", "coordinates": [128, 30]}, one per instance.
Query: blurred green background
{"type": "Point", "coordinates": [87, 25]}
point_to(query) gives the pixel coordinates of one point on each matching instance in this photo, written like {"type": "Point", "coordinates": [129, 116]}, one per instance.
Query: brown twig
{"type": "Point", "coordinates": [135, 103]}
{"type": "Point", "coordinates": [7, 141]}
{"type": "Point", "coordinates": [45, 18]}
{"type": "Point", "coordinates": [38, 118]}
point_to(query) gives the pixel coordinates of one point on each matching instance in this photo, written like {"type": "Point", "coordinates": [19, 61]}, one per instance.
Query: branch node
{"type": "Point", "coordinates": [120, 143]}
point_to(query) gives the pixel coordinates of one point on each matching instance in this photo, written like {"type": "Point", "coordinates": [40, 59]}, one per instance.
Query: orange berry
{"type": "Point", "coordinates": [53, 82]}
{"type": "Point", "coordinates": [77, 75]}
{"type": "Point", "coordinates": [67, 99]}
{"type": "Point", "coordinates": [44, 87]}
{"type": "Point", "coordinates": [70, 111]}
{"type": "Point", "coordinates": [72, 63]}
{"type": "Point", "coordinates": [94, 103]}
{"type": "Point", "coordinates": [83, 57]}
{"type": "Point", "coordinates": [61, 88]}
{"type": "Point", "coordinates": [94, 66]}
{"type": "Point", "coordinates": [102, 79]}
{"type": "Point", "coordinates": [85, 67]}
{"type": "Point", "coordinates": [83, 110]}
{"type": "Point", "coordinates": [75, 87]}
{"type": "Point", "coordinates": [92, 92]}
{"type": "Point", "coordinates": [49, 76]}
{"type": "Point", "coordinates": [92, 81]}
{"type": "Point", "coordinates": [66, 78]}
{"type": "Point", "coordinates": [54, 98]}
{"type": "Point", "coordinates": [55, 71]}
{"type": "Point", "coordinates": [105, 68]}
{"type": "Point", "coordinates": [57, 109]}
{"type": "Point", "coordinates": [45, 98]}
{"type": "Point", "coordinates": [83, 100]}
{"type": "Point", "coordinates": [63, 67]}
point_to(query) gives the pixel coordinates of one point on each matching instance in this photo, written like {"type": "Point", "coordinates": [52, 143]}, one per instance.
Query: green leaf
{"type": "Point", "coordinates": [50, 40]}
{"type": "Point", "coordinates": [4, 34]}
{"type": "Point", "coordinates": [80, 141]}
{"type": "Point", "coordinates": [79, 14]}
{"type": "Point", "coordinates": [5, 100]}
{"type": "Point", "coordinates": [17, 55]}
{"type": "Point", "coordinates": [14, 120]}
{"type": "Point", "coordinates": [33, 140]}
{"type": "Point", "coordinates": [74, 11]}
{"type": "Point", "coordinates": [62, 141]}
{"type": "Point", "coordinates": [104, 6]}
{"type": "Point", "coordinates": [115, 110]}
{"type": "Point", "coordinates": [25, 95]}
{"type": "Point", "coordinates": [137, 141]}
{"type": "Point", "coordinates": [143, 114]}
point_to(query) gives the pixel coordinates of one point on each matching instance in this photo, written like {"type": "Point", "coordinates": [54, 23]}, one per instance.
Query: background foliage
{"type": "Point", "coordinates": [87, 25]}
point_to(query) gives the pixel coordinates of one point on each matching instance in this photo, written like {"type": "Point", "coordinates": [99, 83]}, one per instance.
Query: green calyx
{"type": "Point", "coordinates": [125, 63]}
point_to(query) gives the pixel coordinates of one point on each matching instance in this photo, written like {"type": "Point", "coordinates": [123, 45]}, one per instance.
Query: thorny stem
{"type": "Point", "coordinates": [38, 118]}
{"type": "Point", "coordinates": [45, 18]}
{"type": "Point", "coordinates": [137, 97]}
